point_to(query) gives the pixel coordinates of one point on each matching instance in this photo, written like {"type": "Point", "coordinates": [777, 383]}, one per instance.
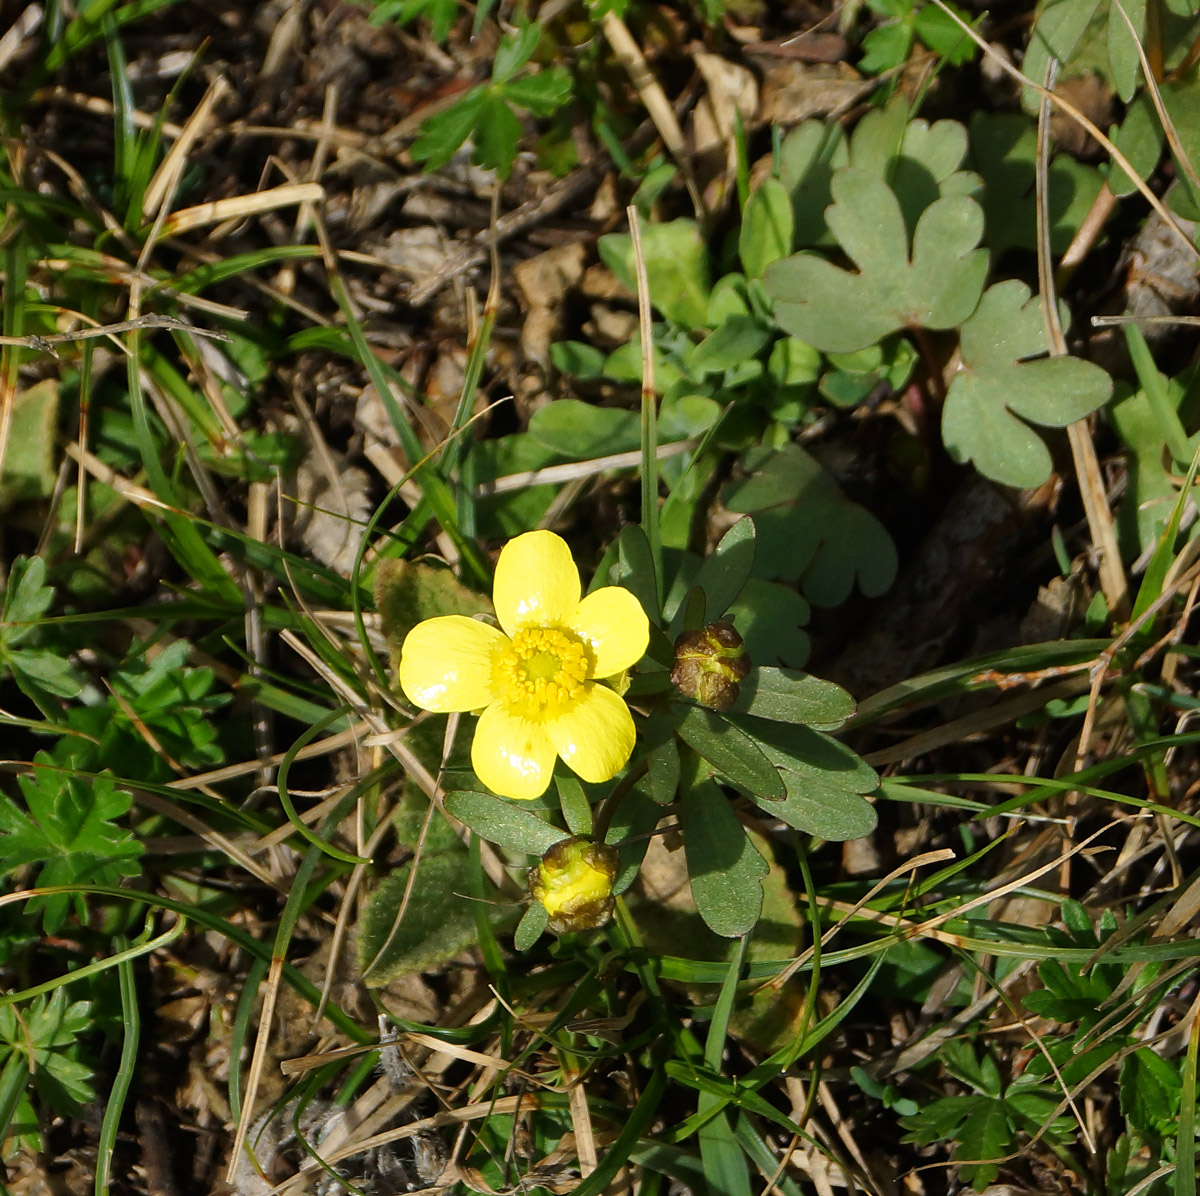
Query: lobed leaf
{"type": "Point", "coordinates": [999, 392]}
{"type": "Point", "coordinates": [837, 310]}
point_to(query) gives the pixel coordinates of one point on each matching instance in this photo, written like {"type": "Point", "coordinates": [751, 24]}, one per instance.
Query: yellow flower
{"type": "Point", "coordinates": [538, 678]}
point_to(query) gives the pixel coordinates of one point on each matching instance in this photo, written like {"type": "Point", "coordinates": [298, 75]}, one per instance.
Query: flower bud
{"type": "Point", "coordinates": [574, 882]}
{"type": "Point", "coordinates": [710, 664]}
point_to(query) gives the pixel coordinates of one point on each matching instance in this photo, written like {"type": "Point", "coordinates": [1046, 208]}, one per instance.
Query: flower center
{"type": "Point", "coordinates": [540, 671]}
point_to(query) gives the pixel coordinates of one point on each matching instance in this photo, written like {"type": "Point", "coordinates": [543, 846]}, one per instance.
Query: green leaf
{"type": "Point", "coordinates": [823, 809]}
{"type": "Point", "coordinates": [662, 762]}
{"type": "Point", "coordinates": [767, 228]}
{"type": "Point", "coordinates": [1124, 63]}
{"type": "Point", "coordinates": [919, 161]}
{"type": "Point", "coordinates": [26, 599]}
{"type": "Point", "coordinates": [579, 430]}
{"type": "Point", "coordinates": [29, 463]}
{"type": "Point", "coordinates": [793, 362]}
{"type": "Point", "coordinates": [809, 752]}
{"type": "Point", "coordinates": [46, 1034]}
{"type": "Point", "coordinates": [497, 132]}
{"type": "Point", "coordinates": [636, 567]}
{"type": "Point", "coordinates": [577, 359]}
{"type": "Point", "coordinates": [807, 159]}
{"type": "Point", "coordinates": [729, 297]}
{"type": "Point", "coordinates": [886, 46]}
{"type": "Point", "coordinates": [444, 132]}
{"type": "Point", "coordinates": [438, 923]}
{"type": "Point", "coordinates": [407, 593]}
{"type": "Point", "coordinates": [1140, 139]}
{"type": "Point", "coordinates": [997, 390]}
{"type": "Point", "coordinates": [1181, 98]}
{"type": "Point", "coordinates": [770, 618]}
{"type": "Point", "coordinates": [503, 823]}
{"type": "Point", "coordinates": [985, 1134]}
{"type": "Point", "coordinates": [441, 14]}
{"type": "Point", "coordinates": [943, 36]}
{"type": "Point", "coordinates": [789, 696]}
{"type": "Point", "coordinates": [1151, 490]}
{"type": "Point", "coordinates": [44, 672]}
{"type": "Point", "coordinates": [836, 310]}
{"type": "Point", "coordinates": [854, 376]}
{"type": "Point", "coordinates": [677, 267]}
{"type": "Point", "coordinates": [727, 570]}
{"type": "Point", "coordinates": [1150, 1093]}
{"type": "Point", "coordinates": [1004, 150]}
{"type": "Point", "coordinates": [1059, 26]}
{"type": "Point", "coordinates": [807, 529]}
{"type": "Point", "coordinates": [542, 93]}
{"type": "Point", "coordinates": [724, 867]}
{"type": "Point", "coordinates": [531, 927]}
{"type": "Point", "coordinates": [573, 801]}
{"type": "Point", "coordinates": [69, 828]}
{"type": "Point", "coordinates": [629, 830]}
{"type": "Point", "coordinates": [514, 51]}
{"type": "Point", "coordinates": [737, 340]}
{"type": "Point", "coordinates": [730, 751]}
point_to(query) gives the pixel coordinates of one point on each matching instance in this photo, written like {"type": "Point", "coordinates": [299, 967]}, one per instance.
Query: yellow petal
{"type": "Point", "coordinates": [612, 623]}
{"type": "Point", "coordinates": [446, 663]}
{"type": "Point", "coordinates": [512, 756]}
{"type": "Point", "coordinates": [595, 737]}
{"type": "Point", "coordinates": [537, 584]}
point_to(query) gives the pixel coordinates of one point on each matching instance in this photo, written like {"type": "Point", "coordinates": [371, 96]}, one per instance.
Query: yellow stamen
{"type": "Point", "coordinates": [540, 672]}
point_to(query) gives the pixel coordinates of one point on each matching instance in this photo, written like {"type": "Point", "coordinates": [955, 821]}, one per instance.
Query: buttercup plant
{"type": "Point", "coordinates": [543, 681]}
{"type": "Point", "coordinates": [550, 682]}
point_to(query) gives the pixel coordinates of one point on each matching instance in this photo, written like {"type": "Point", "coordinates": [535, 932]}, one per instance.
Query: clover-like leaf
{"type": "Point", "coordinates": [998, 392]}
{"type": "Point", "coordinates": [937, 286]}
{"type": "Point", "coordinates": [808, 530]}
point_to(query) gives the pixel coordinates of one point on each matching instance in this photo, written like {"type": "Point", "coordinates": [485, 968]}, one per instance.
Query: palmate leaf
{"type": "Point", "coordinates": [807, 530]}
{"type": "Point", "coordinates": [69, 829]}
{"type": "Point", "coordinates": [998, 390]}
{"type": "Point", "coordinates": [46, 1033]}
{"type": "Point", "coordinates": [936, 285]}
{"type": "Point", "coordinates": [26, 599]}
